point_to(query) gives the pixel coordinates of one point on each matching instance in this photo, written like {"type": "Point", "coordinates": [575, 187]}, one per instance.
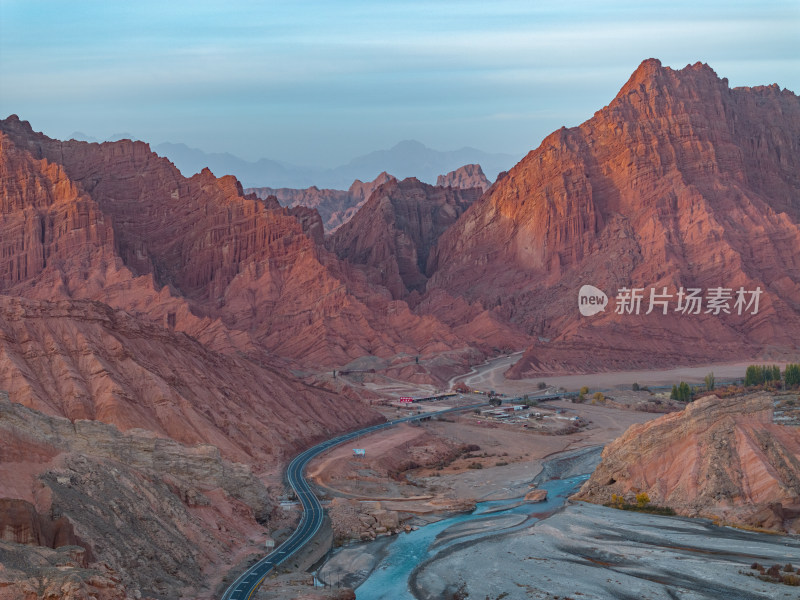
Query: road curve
{"type": "Point", "coordinates": [311, 521]}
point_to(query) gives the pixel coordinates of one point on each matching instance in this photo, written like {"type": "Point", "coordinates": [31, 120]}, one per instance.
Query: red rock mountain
{"type": "Point", "coordinates": [468, 176]}
{"type": "Point", "coordinates": [394, 232]}
{"type": "Point", "coordinates": [336, 207]}
{"type": "Point", "coordinates": [679, 182]}
{"type": "Point", "coordinates": [721, 458]}
{"type": "Point", "coordinates": [253, 275]}
{"type": "Point", "coordinates": [86, 360]}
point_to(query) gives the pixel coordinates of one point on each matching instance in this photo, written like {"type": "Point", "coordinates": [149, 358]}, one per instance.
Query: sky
{"type": "Point", "coordinates": [318, 83]}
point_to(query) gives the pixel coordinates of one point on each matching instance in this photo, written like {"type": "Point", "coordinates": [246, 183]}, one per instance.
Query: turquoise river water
{"type": "Point", "coordinates": [389, 580]}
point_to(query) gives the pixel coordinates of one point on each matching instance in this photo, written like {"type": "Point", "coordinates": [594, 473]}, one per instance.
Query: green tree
{"type": "Point", "coordinates": [674, 394]}
{"type": "Point", "coordinates": [684, 392]}
{"type": "Point", "coordinates": [776, 373]}
{"type": "Point", "coordinates": [710, 381]}
{"type": "Point", "coordinates": [791, 376]}
{"type": "Point", "coordinates": [635, 387]}
{"type": "Point", "coordinates": [754, 375]}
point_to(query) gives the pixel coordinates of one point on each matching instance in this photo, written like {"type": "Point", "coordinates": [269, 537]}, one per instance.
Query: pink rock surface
{"type": "Point", "coordinates": [718, 457]}
{"type": "Point", "coordinates": [468, 176]}
{"type": "Point", "coordinates": [335, 207]}
{"type": "Point", "coordinates": [679, 181]}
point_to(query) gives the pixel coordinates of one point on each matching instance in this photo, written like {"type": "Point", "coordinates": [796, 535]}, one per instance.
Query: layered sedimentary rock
{"type": "Point", "coordinates": [721, 458]}
{"type": "Point", "coordinates": [392, 235]}
{"type": "Point", "coordinates": [120, 506]}
{"type": "Point", "coordinates": [32, 573]}
{"type": "Point", "coordinates": [681, 182]}
{"type": "Point", "coordinates": [85, 360]}
{"type": "Point", "coordinates": [198, 255]}
{"type": "Point", "coordinates": [336, 207]}
{"type": "Point", "coordinates": [468, 176]}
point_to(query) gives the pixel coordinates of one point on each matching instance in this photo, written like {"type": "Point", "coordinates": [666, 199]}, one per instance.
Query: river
{"type": "Point", "coordinates": [390, 578]}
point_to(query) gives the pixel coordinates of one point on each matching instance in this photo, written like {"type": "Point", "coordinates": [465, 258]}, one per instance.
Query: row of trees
{"type": "Point", "coordinates": [766, 374]}
{"type": "Point", "coordinates": [761, 374]}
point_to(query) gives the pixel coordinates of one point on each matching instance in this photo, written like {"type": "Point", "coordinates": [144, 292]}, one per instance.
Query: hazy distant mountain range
{"type": "Point", "coordinates": [406, 159]}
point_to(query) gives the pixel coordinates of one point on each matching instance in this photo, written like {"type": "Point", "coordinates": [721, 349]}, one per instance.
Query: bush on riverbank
{"type": "Point", "coordinates": [642, 505]}
{"type": "Point", "coordinates": [775, 574]}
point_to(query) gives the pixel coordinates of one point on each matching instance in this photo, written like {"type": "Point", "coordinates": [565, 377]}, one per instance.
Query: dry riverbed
{"type": "Point", "coordinates": [589, 551]}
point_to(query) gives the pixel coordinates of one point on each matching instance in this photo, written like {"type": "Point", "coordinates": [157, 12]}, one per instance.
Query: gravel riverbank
{"type": "Point", "coordinates": [592, 552]}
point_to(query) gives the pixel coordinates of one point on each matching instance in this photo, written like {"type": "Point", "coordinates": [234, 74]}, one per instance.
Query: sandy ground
{"type": "Point", "coordinates": [490, 376]}
{"type": "Point", "coordinates": [434, 493]}
{"type": "Point", "coordinates": [338, 473]}
{"type": "Point", "coordinates": [428, 493]}
{"type": "Point", "coordinates": [589, 551]}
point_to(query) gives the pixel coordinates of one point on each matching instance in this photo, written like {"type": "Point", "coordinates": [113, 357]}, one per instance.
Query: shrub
{"type": "Point", "coordinates": [598, 397]}
{"type": "Point", "coordinates": [635, 387]}
{"type": "Point", "coordinates": [475, 465]}
{"type": "Point", "coordinates": [541, 385]}
{"type": "Point", "coordinates": [642, 499]}
{"type": "Point", "coordinates": [584, 390]}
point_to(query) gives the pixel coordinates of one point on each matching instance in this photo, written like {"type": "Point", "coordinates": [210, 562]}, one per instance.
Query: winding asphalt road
{"type": "Point", "coordinates": [311, 521]}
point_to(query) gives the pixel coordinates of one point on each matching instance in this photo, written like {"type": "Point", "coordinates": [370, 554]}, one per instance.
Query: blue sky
{"type": "Point", "coordinates": [317, 83]}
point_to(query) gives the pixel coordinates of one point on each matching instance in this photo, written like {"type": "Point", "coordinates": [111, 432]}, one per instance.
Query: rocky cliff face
{"type": "Point", "coordinates": [392, 235]}
{"type": "Point", "coordinates": [236, 273]}
{"type": "Point", "coordinates": [84, 360]}
{"type": "Point", "coordinates": [721, 458]}
{"type": "Point", "coordinates": [336, 207]}
{"type": "Point", "coordinates": [679, 182]}
{"type": "Point", "coordinates": [468, 176]}
{"type": "Point", "coordinates": [122, 506]}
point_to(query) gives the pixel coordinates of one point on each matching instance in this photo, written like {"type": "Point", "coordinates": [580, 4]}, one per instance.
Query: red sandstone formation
{"type": "Point", "coordinates": [128, 511]}
{"type": "Point", "coordinates": [721, 458]}
{"type": "Point", "coordinates": [195, 254]}
{"type": "Point", "coordinates": [393, 233]}
{"type": "Point", "coordinates": [679, 182]}
{"type": "Point", "coordinates": [85, 360]}
{"type": "Point", "coordinates": [336, 207]}
{"type": "Point", "coordinates": [468, 176]}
